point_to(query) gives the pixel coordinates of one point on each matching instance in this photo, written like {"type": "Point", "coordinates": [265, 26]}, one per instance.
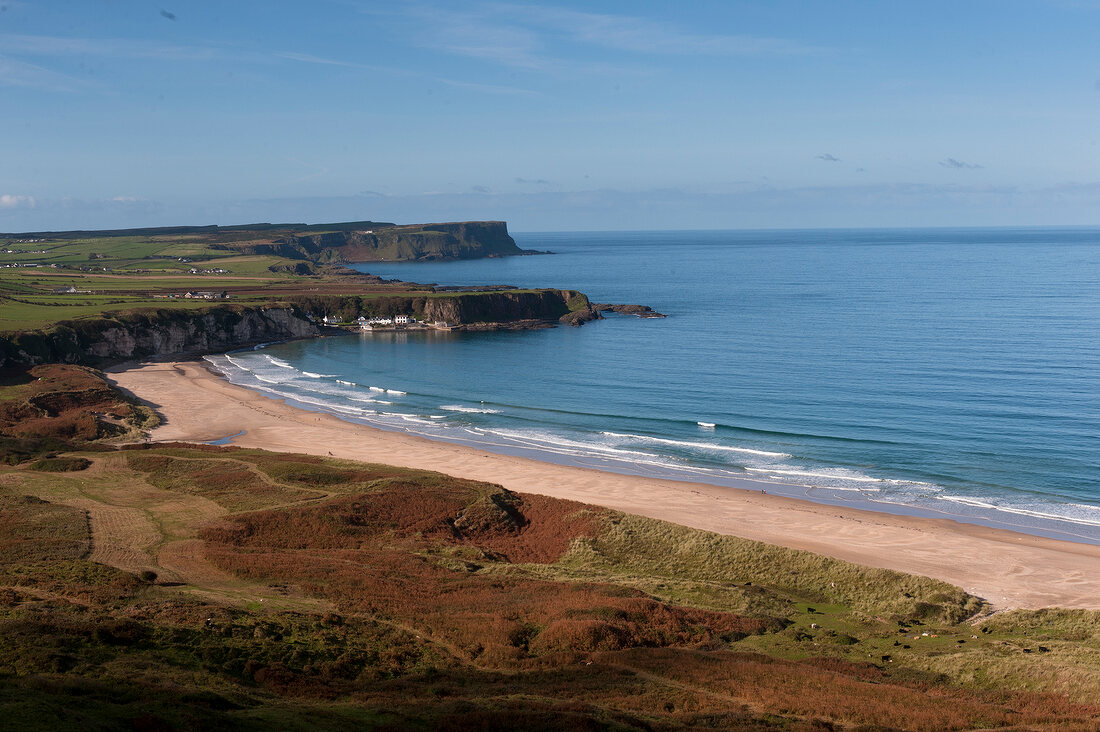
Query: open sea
{"type": "Point", "coordinates": [937, 372]}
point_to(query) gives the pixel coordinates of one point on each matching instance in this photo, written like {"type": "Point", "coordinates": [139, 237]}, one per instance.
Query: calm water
{"type": "Point", "coordinates": [945, 372]}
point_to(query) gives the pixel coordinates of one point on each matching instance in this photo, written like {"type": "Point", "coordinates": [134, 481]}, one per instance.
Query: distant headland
{"type": "Point", "coordinates": [336, 243]}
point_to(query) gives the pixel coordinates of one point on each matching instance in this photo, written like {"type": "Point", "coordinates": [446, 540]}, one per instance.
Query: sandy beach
{"type": "Point", "coordinates": [1008, 569]}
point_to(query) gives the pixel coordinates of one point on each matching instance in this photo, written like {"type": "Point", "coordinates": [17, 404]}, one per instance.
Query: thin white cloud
{"type": "Point", "coordinates": [22, 74]}
{"type": "Point", "coordinates": [631, 33]}
{"type": "Point", "coordinates": [308, 58]}
{"type": "Point", "coordinates": [520, 35]}
{"type": "Point", "coordinates": [8, 200]}
{"type": "Point", "coordinates": [51, 46]}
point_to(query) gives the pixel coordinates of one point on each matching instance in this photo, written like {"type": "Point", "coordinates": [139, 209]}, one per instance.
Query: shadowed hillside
{"type": "Point", "coordinates": [180, 586]}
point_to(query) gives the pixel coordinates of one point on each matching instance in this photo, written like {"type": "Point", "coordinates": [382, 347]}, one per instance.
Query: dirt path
{"type": "Point", "coordinates": [137, 527]}
{"type": "Point", "coordinates": [122, 536]}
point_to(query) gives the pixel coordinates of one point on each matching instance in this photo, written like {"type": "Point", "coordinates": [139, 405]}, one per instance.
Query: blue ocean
{"type": "Point", "coordinates": [938, 372]}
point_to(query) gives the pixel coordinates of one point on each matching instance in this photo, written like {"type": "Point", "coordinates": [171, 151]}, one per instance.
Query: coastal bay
{"type": "Point", "coordinates": [1008, 569]}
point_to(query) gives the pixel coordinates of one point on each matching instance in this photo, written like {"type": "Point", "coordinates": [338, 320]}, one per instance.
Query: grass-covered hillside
{"type": "Point", "coordinates": [195, 587]}
{"type": "Point", "coordinates": [50, 277]}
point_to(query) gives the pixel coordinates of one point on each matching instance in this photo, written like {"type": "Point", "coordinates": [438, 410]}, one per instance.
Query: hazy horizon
{"type": "Point", "coordinates": [551, 116]}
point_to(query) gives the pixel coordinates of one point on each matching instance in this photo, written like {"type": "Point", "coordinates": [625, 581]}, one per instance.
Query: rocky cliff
{"type": "Point", "coordinates": [164, 332]}
{"type": "Point", "coordinates": [144, 334]}
{"type": "Point", "coordinates": [462, 240]}
{"type": "Point", "coordinates": [455, 308]}
{"type": "Point", "coordinates": [502, 307]}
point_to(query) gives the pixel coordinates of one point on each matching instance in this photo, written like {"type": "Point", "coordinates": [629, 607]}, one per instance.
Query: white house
{"type": "Point", "coordinates": [403, 319]}
{"type": "Point", "coordinates": [330, 320]}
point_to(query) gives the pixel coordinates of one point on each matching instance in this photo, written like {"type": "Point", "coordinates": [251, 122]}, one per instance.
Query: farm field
{"type": "Point", "coordinates": [114, 273]}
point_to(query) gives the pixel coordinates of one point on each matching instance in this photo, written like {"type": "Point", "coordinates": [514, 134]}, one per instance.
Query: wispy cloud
{"type": "Point", "coordinates": [308, 58]}
{"type": "Point", "coordinates": [959, 164]}
{"type": "Point", "coordinates": [8, 200]}
{"type": "Point", "coordinates": [828, 158]}
{"type": "Point", "coordinates": [535, 182]}
{"type": "Point", "coordinates": [641, 35]}
{"type": "Point", "coordinates": [32, 45]}
{"type": "Point", "coordinates": [522, 35]}
{"type": "Point", "coordinates": [20, 73]}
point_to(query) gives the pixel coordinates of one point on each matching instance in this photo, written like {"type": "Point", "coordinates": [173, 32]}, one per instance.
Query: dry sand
{"type": "Point", "coordinates": [1008, 569]}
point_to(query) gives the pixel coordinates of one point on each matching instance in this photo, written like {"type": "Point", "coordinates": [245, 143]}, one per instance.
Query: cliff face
{"type": "Point", "coordinates": [502, 307]}
{"type": "Point", "coordinates": [507, 306]}
{"type": "Point", "coordinates": [154, 333]}
{"type": "Point", "coordinates": [464, 240]}
{"type": "Point", "coordinates": [164, 332]}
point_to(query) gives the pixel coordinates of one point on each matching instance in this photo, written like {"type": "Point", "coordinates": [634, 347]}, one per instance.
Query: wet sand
{"type": "Point", "coordinates": [1008, 569]}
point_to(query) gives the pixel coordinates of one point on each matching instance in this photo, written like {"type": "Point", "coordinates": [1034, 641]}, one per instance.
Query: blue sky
{"type": "Point", "coordinates": [553, 116]}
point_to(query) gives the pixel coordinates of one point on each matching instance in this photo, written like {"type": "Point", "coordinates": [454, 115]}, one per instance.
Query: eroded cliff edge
{"type": "Point", "coordinates": [150, 333]}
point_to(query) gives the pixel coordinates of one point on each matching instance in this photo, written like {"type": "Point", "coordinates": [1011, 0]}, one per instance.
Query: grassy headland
{"type": "Point", "coordinates": [60, 291]}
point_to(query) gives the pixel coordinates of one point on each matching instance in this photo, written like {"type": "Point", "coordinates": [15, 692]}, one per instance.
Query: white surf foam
{"type": "Point", "coordinates": [555, 443]}
{"type": "Point", "coordinates": [376, 388]}
{"type": "Point", "coordinates": [395, 392]}
{"type": "Point", "coordinates": [812, 474]}
{"type": "Point", "coordinates": [313, 375]}
{"type": "Point", "coordinates": [699, 445]}
{"type": "Point", "coordinates": [469, 410]}
{"type": "Point", "coordinates": [279, 362]}
{"type": "Point", "coordinates": [1033, 513]}
{"type": "Point", "coordinates": [706, 425]}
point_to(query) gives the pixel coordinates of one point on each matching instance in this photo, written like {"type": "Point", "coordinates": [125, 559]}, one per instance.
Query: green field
{"type": "Point", "coordinates": [121, 273]}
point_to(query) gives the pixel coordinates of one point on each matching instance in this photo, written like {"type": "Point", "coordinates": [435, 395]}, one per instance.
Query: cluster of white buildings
{"type": "Point", "coordinates": [365, 323]}
{"type": "Point", "coordinates": [194, 295]}
{"type": "Point", "coordinates": [372, 323]}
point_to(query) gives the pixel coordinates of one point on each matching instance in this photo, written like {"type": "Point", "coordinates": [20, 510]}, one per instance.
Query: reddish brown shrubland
{"type": "Point", "coordinates": [57, 400]}
{"type": "Point", "coordinates": [376, 553]}
{"type": "Point", "coordinates": [851, 693]}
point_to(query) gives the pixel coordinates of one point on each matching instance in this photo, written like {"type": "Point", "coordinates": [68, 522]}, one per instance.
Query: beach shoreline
{"type": "Point", "coordinates": [1006, 568]}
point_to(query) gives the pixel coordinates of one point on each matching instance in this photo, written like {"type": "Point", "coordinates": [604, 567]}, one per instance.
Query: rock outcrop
{"type": "Point", "coordinates": [642, 311]}
{"type": "Point", "coordinates": [578, 318]}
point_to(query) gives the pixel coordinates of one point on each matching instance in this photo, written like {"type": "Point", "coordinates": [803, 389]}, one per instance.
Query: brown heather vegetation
{"type": "Point", "coordinates": [459, 605]}
{"type": "Point", "coordinates": [55, 407]}
{"type": "Point", "coordinates": [396, 552]}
